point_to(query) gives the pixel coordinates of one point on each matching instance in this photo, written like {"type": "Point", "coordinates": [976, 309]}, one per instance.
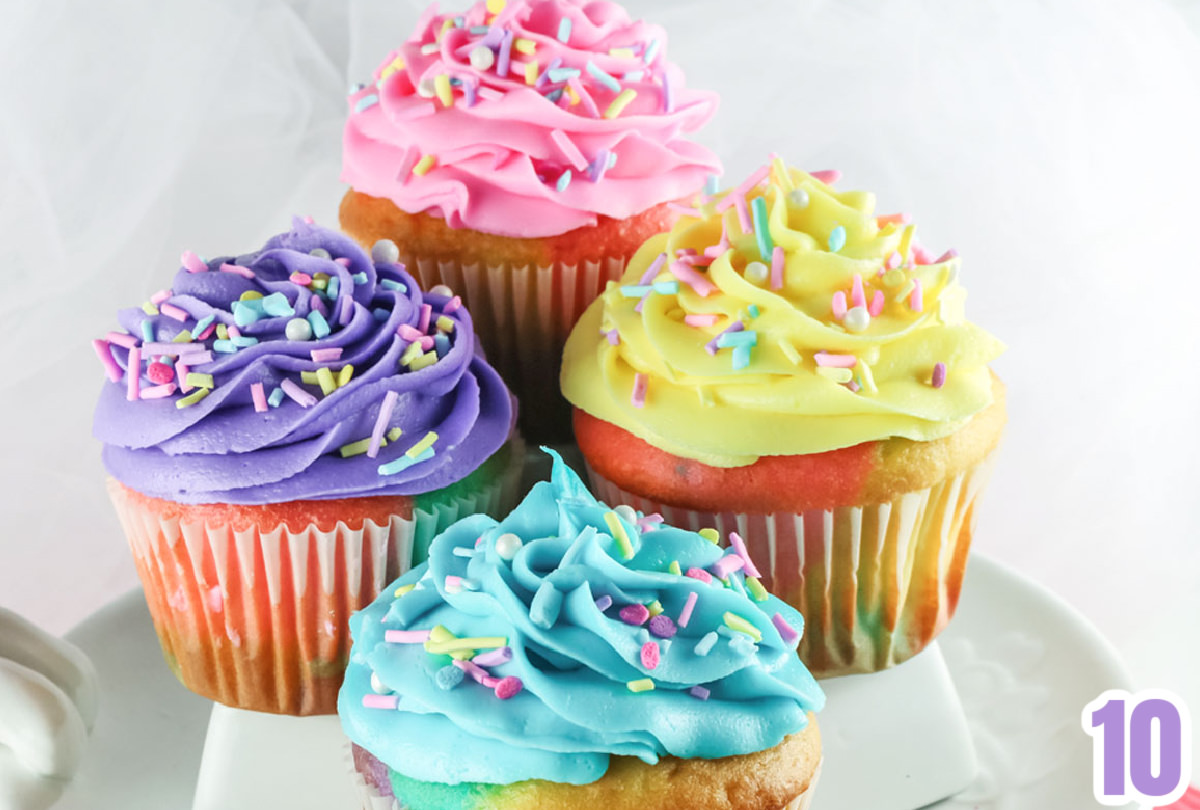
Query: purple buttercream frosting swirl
{"type": "Point", "coordinates": [303, 434]}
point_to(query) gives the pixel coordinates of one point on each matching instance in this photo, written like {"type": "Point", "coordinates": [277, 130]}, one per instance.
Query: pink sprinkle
{"type": "Point", "coordinates": [478, 673]}
{"type": "Point", "coordinates": [899, 219]}
{"type": "Point", "coordinates": [701, 320]}
{"type": "Point", "coordinates": [853, 386]}
{"type": "Point", "coordinates": [234, 332]}
{"type": "Point", "coordinates": [614, 338]}
{"type": "Point", "coordinates": [303, 279]}
{"type": "Point", "coordinates": [207, 333]}
{"type": "Point", "coordinates": [494, 658]}
{"type": "Point", "coordinates": [104, 353]}
{"type": "Point", "coordinates": [858, 298]}
{"type": "Point", "coordinates": [160, 373]}
{"type": "Point", "coordinates": [839, 304]}
{"type": "Point", "coordinates": [725, 566]}
{"type": "Point", "coordinates": [344, 261]}
{"type": "Point", "coordinates": [373, 701]}
{"type": "Point", "coordinates": [406, 636]}
{"type": "Point", "coordinates": [877, 302]}
{"type": "Point", "coordinates": [158, 391]}
{"type": "Point", "coordinates": [920, 254]}
{"type": "Point", "coordinates": [651, 655]}
{"type": "Point", "coordinates": [172, 311]}
{"type": "Point", "coordinates": [947, 256]}
{"type": "Point", "coordinates": [786, 631]}
{"type": "Point", "coordinates": [693, 279]}
{"type": "Point", "coordinates": [777, 268]}
{"type": "Point", "coordinates": [381, 422]}
{"type": "Point", "coordinates": [569, 149]}
{"type": "Point", "coordinates": [916, 299]}
{"type": "Point", "coordinates": [893, 261]}
{"type": "Point", "coordinates": [327, 355]}
{"type": "Point", "coordinates": [827, 176]}
{"type": "Point", "coordinates": [939, 375]}
{"type": "Point", "coordinates": [835, 361]}
{"type": "Point", "coordinates": [510, 685]}
{"type": "Point", "coordinates": [426, 342]}
{"type": "Point", "coordinates": [453, 583]}
{"type": "Point", "coordinates": [635, 614]}
{"type": "Point", "coordinates": [699, 692]}
{"type": "Point", "coordinates": [452, 305]}
{"type": "Point", "coordinates": [742, 190]}
{"type": "Point", "coordinates": [409, 333]}
{"type": "Point", "coordinates": [489, 681]}
{"type": "Point", "coordinates": [121, 339]}
{"type": "Point", "coordinates": [700, 574]}
{"type": "Point", "coordinates": [237, 270]}
{"type": "Point", "coordinates": [589, 104]}
{"type": "Point", "coordinates": [743, 212]}
{"type": "Point", "coordinates": [160, 296]}
{"type": "Point", "coordinates": [739, 546]}
{"type": "Point", "coordinates": [685, 615]}
{"type": "Point", "coordinates": [260, 398]}
{"type": "Point", "coordinates": [649, 522]}
{"type": "Point", "coordinates": [181, 372]}
{"type": "Point", "coordinates": [638, 398]}
{"type": "Point", "coordinates": [695, 260]}
{"type": "Point", "coordinates": [426, 314]}
{"type": "Point", "coordinates": [307, 220]}
{"type": "Point", "coordinates": [172, 349]}
{"type": "Point", "coordinates": [298, 394]}
{"type": "Point", "coordinates": [133, 373]}
{"type": "Point", "coordinates": [192, 262]}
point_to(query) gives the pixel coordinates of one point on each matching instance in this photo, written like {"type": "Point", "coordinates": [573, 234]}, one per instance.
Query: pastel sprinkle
{"type": "Point", "coordinates": [426, 443]}
{"type": "Point", "coordinates": [617, 530]}
{"type": "Point", "coordinates": [651, 51]}
{"type": "Point", "coordinates": [638, 397]}
{"type": "Point", "coordinates": [691, 277]}
{"type": "Point", "coordinates": [762, 231]}
{"type": "Point", "coordinates": [133, 373]}
{"type": "Point", "coordinates": [386, 702]}
{"type": "Point", "coordinates": [326, 355]}
{"type": "Point", "coordinates": [198, 380]}
{"type": "Point", "coordinates": [662, 626]}
{"type": "Point", "coordinates": [192, 263]}
{"type": "Point", "coordinates": [104, 354]}
{"type": "Point", "coordinates": [424, 165]}
{"type": "Point", "coordinates": [403, 589]}
{"type": "Point", "coordinates": [786, 631]}
{"type": "Point", "coordinates": [710, 534]}
{"type": "Point", "coordinates": [777, 265]}
{"type": "Point", "coordinates": [298, 394]}
{"type": "Point", "coordinates": [276, 397]}
{"type": "Point", "coordinates": [701, 320]}
{"type": "Point", "coordinates": [674, 568]}
{"type": "Point", "coordinates": [699, 692]}
{"type": "Point", "coordinates": [635, 615]}
{"type": "Point", "coordinates": [604, 603]}
{"type": "Point", "coordinates": [320, 326]}
{"type": "Point", "coordinates": [366, 102]}
{"type": "Point", "coordinates": [531, 72]}
{"type": "Point", "coordinates": [858, 297]}
{"type": "Point", "coordinates": [725, 566]}
{"type": "Point", "coordinates": [916, 299]}
{"type": "Point", "coordinates": [789, 351]}
{"type": "Point", "coordinates": [494, 658]}
{"type": "Point", "coordinates": [839, 307]}
{"type": "Point", "coordinates": [564, 29]}
{"type": "Point", "coordinates": [757, 592]}
{"type": "Point", "coordinates": [877, 302]}
{"type": "Point", "coordinates": [837, 239]}
{"type": "Point", "coordinates": [651, 655]}
{"type": "Point", "coordinates": [655, 608]}
{"type": "Point", "coordinates": [508, 687]}
{"type": "Point", "coordinates": [381, 422]}
{"type": "Point", "coordinates": [700, 574]}
{"type": "Point", "coordinates": [406, 636]}
{"type": "Point", "coordinates": [739, 547]}
{"type": "Point", "coordinates": [326, 381]}
{"type": "Point", "coordinates": [563, 181]}
{"type": "Point", "coordinates": [826, 176]}
{"type": "Point", "coordinates": [237, 269]}
{"type": "Point", "coordinates": [685, 615]}
{"type": "Point", "coordinates": [613, 337]}
{"type": "Point", "coordinates": [893, 219]}
{"type": "Point", "coordinates": [192, 398]}
{"type": "Point", "coordinates": [148, 331]}
{"type": "Point", "coordinates": [835, 360]}
{"type": "Point", "coordinates": [641, 685]}
{"type": "Point", "coordinates": [604, 78]}
{"type": "Point", "coordinates": [121, 339]}
{"type": "Point", "coordinates": [705, 644]}
{"type": "Point", "coordinates": [739, 623]}
{"type": "Point", "coordinates": [841, 376]}
{"type": "Point", "coordinates": [618, 104]}
{"type": "Point", "coordinates": [504, 58]}
{"type": "Point", "coordinates": [158, 391]}
{"type": "Point", "coordinates": [453, 645]}
{"type": "Point", "coordinates": [939, 375]}
{"type": "Point", "coordinates": [744, 337]}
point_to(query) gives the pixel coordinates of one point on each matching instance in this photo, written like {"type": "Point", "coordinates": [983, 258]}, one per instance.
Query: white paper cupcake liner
{"type": "Point", "coordinates": [876, 583]}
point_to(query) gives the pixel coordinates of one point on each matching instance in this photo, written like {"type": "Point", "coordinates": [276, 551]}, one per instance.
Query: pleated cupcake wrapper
{"type": "Point", "coordinates": [371, 799]}
{"type": "Point", "coordinates": [523, 315]}
{"type": "Point", "coordinates": [876, 583]}
{"type": "Point", "coordinates": [256, 618]}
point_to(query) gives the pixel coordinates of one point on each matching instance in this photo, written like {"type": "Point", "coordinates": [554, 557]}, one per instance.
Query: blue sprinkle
{"type": "Point", "coordinates": [277, 304]}
{"type": "Point", "coordinates": [555, 95]}
{"type": "Point", "coordinates": [147, 331]}
{"type": "Point", "coordinates": [320, 326]}
{"type": "Point", "coordinates": [448, 677]}
{"type": "Point", "coordinates": [562, 74]}
{"type": "Point", "coordinates": [381, 314]}
{"type": "Point", "coordinates": [837, 239]}
{"type": "Point", "coordinates": [441, 345]}
{"type": "Point", "coordinates": [564, 180]}
{"type": "Point", "coordinates": [603, 77]}
{"type": "Point", "coordinates": [244, 341]}
{"type": "Point", "coordinates": [224, 346]}
{"type": "Point", "coordinates": [712, 184]}
{"type": "Point", "coordinates": [741, 357]}
{"type": "Point", "coordinates": [404, 462]}
{"type": "Point", "coordinates": [276, 397]}
{"type": "Point", "coordinates": [357, 87]}
{"type": "Point", "coordinates": [366, 102]}
{"type": "Point", "coordinates": [745, 338]}
{"type": "Point", "coordinates": [564, 29]}
{"type": "Point", "coordinates": [333, 288]}
{"type": "Point", "coordinates": [651, 51]}
{"type": "Point", "coordinates": [459, 22]}
{"type": "Point", "coordinates": [359, 278]}
{"type": "Point", "coordinates": [666, 287]}
{"type": "Point", "coordinates": [462, 551]}
{"type": "Point", "coordinates": [476, 30]}
{"type": "Point", "coordinates": [705, 644]}
{"type": "Point", "coordinates": [612, 159]}
{"type": "Point", "coordinates": [761, 230]}
{"type": "Point", "coordinates": [388, 284]}
{"type": "Point", "coordinates": [245, 313]}
{"type": "Point", "coordinates": [635, 290]}
{"type": "Point", "coordinates": [203, 324]}
{"type": "Point", "coordinates": [753, 310]}
{"type": "Point", "coordinates": [634, 76]}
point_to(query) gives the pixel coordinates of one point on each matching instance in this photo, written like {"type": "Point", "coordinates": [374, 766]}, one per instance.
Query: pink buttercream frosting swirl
{"type": "Point", "coordinates": [530, 122]}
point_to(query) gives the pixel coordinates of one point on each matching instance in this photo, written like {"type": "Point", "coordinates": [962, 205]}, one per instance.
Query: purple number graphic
{"type": "Point", "coordinates": [1110, 718]}
{"type": "Point", "coordinates": [1170, 741]}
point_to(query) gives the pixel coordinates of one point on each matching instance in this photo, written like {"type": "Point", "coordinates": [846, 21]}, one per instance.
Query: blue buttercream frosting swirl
{"type": "Point", "coordinates": [549, 612]}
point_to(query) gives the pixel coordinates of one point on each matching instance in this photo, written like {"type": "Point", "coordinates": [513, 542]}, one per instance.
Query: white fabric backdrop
{"type": "Point", "coordinates": [1054, 144]}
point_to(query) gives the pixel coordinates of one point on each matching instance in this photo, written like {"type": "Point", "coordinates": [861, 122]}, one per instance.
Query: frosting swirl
{"type": "Point", "coordinates": [564, 594]}
{"type": "Point", "coordinates": [531, 122]}
{"type": "Point", "coordinates": [264, 378]}
{"type": "Point", "coordinates": [781, 318]}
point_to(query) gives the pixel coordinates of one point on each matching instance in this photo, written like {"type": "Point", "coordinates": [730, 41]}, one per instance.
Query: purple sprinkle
{"type": "Point", "coordinates": [494, 37]}
{"type": "Point", "coordinates": [545, 77]}
{"type": "Point", "coordinates": [494, 658]}
{"type": "Point", "coordinates": [711, 346]}
{"type": "Point", "coordinates": [503, 60]}
{"type": "Point", "coordinates": [298, 394]}
{"type": "Point", "coordinates": [653, 270]}
{"type": "Point", "coordinates": [315, 304]}
{"type": "Point", "coordinates": [699, 692]}
{"type": "Point", "coordinates": [638, 307]}
{"type": "Point", "coordinates": [347, 310]}
{"type": "Point", "coordinates": [613, 338]}
{"type": "Point", "coordinates": [382, 420]}
{"type": "Point", "coordinates": [668, 92]}
{"type": "Point", "coordinates": [939, 375]}
{"type": "Point", "coordinates": [662, 626]}
{"type": "Point", "coordinates": [635, 614]}
{"type": "Point", "coordinates": [470, 93]}
{"type": "Point", "coordinates": [604, 603]}
{"type": "Point", "coordinates": [599, 166]}
{"type": "Point", "coordinates": [786, 631]}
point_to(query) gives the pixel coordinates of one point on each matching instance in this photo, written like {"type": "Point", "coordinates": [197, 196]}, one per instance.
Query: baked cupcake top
{"type": "Point", "coordinates": [782, 317]}
{"type": "Point", "coordinates": [536, 647]}
{"type": "Point", "coordinates": [306, 370]}
{"type": "Point", "coordinates": [528, 118]}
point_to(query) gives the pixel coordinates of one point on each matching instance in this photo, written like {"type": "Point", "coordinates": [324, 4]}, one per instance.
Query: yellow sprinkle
{"type": "Point", "coordinates": [642, 685]}
{"type": "Point", "coordinates": [149, 308]}
{"type": "Point", "coordinates": [905, 292]}
{"type": "Point", "coordinates": [325, 380]}
{"type": "Point", "coordinates": [439, 634]}
{"type": "Point", "coordinates": [789, 351]}
{"type": "Point", "coordinates": [308, 377]}
{"type": "Point", "coordinates": [736, 622]}
{"type": "Point", "coordinates": [711, 535]}
{"type": "Point", "coordinates": [427, 359]}
{"type": "Point", "coordinates": [444, 324]}
{"type": "Point", "coordinates": [620, 102]}
{"type": "Point", "coordinates": [906, 241]}
{"type": "Point", "coordinates": [344, 375]}
{"type": "Point", "coordinates": [496, 6]}
{"type": "Point", "coordinates": [525, 46]}
{"type": "Point", "coordinates": [423, 445]}
{"type": "Point", "coordinates": [183, 337]}
{"type": "Point", "coordinates": [893, 278]}
{"type": "Point", "coordinates": [757, 591]}
{"type": "Point", "coordinates": [838, 375]}
{"type": "Point", "coordinates": [618, 532]}
{"type": "Point", "coordinates": [621, 53]}
{"type": "Point", "coordinates": [355, 448]}
{"type": "Point", "coordinates": [655, 607]}
{"type": "Point", "coordinates": [458, 644]}
{"type": "Point", "coordinates": [411, 353]}
{"type": "Point", "coordinates": [198, 380]}
{"type": "Point", "coordinates": [424, 165]}
{"type": "Point", "coordinates": [531, 73]}
{"type": "Point", "coordinates": [192, 398]}
{"type": "Point", "coordinates": [447, 24]}
{"type": "Point", "coordinates": [394, 433]}
{"type": "Point", "coordinates": [782, 176]}
{"type": "Point", "coordinates": [250, 295]}
{"type": "Point", "coordinates": [403, 589]}
{"type": "Point", "coordinates": [868, 378]}
{"type": "Point", "coordinates": [319, 283]}
{"type": "Point", "coordinates": [441, 86]}
{"type": "Point", "coordinates": [222, 331]}
{"type": "Point", "coordinates": [674, 568]}
{"type": "Point", "coordinates": [321, 276]}
{"type": "Point", "coordinates": [572, 95]}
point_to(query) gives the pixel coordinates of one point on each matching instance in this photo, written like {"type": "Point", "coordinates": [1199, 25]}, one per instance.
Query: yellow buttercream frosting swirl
{"type": "Point", "coordinates": [779, 318]}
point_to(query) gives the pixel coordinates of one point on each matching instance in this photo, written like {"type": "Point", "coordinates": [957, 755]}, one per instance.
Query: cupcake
{"type": "Point", "coordinates": [283, 431]}
{"type": "Point", "coordinates": [576, 656]}
{"type": "Point", "coordinates": [787, 365]}
{"type": "Point", "coordinates": [520, 153]}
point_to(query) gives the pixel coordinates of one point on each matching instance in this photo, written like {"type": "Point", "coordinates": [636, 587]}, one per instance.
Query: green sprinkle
{"type": "Point", "coordinates": [183, 337]}
{"type": "Point", "coordinates": [711, 535]}
{"type": "Point", "coordinates": [618, 532]}
{"type": "Point", "coordinates": [425, 360]}
{"type": "Point", "coordinates": [674, 568]}
{"type": "Point", "coordinates": [762, 231]}
{"type": "Point", "coordinates": [757, 591]}
{"type": "Point", "coordinates": [655, 607]}
{"type": "Point", "coordinates": [192, 398]}
{"type": "Point", "coordinates": [740, 624]}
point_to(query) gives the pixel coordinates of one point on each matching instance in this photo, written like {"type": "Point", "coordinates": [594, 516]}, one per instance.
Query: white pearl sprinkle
{"type": "Point", "coordinates": [426, 89]}
{"type": "Point", "coordinates": [298, 329]}
{"type": "Point", "coordinates": [482, 58]}
{"type": "Point", "coordinates": [320, 253]}
{"type": "Point", "coordinates": [385, 252]}
{"type": "Point", "coordinates": [507, 545]}
{"type": "Point", "coordinates": [626, 513]}
{"type": "Point", "coordinates": [857, 319]}
{"type": "Point", "coordinates": [378, 686]}
{"type": "Point", "coordinates": [757, 273]}
{"type": "Point", "coordinates": [798, 198]}
{"type": "Point", "coordinates": [441, 289]}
